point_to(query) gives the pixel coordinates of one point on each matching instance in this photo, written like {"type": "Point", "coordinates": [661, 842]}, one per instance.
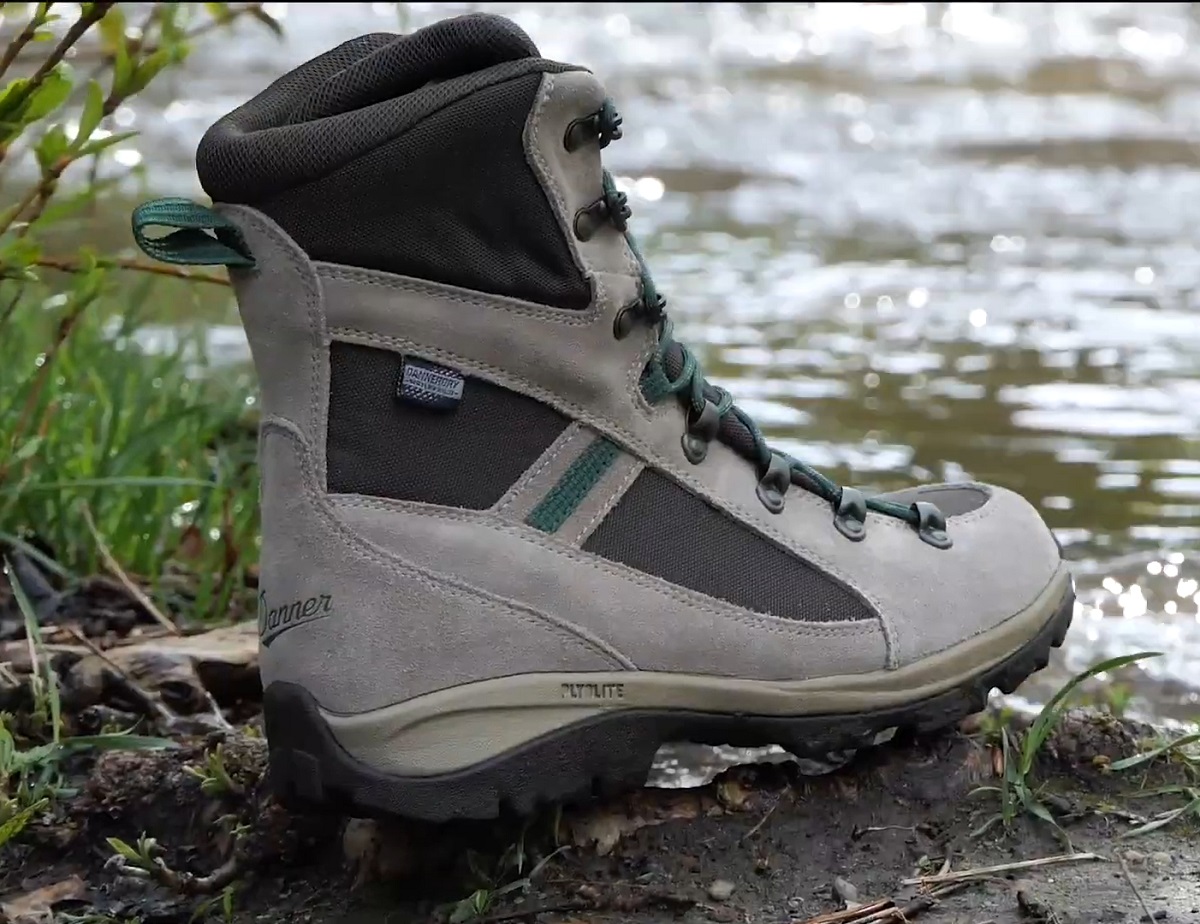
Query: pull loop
{"type": "Point", "coordinates": [202, 237]}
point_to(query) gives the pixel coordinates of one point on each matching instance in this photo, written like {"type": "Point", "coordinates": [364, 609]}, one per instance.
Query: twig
{"type": "Point", "coordinates": [1136, 891]}
{"type": "Point", "coordinates": [987, 871]}
{"type": "Point", "coordinates": [134, 591]}
{"type": "Point", "coordinates": [85, 21]}
{"type": "Point", "coordinates": [68, 265]}
{"type": "Point", "coordinates": [144, 699]}
{"type": "Point", "coordinates": [189, 884]}
{"type": "Point", "coordinates": [886, 911]}
{"type": "Point", "coordinates": [914, 907]}
{"type": "Point", "coordinates": [14, 47]}
{"type": "Point", "coordinates": [850, 914]}
{"type": "Point", "coordinates": [762, 821]}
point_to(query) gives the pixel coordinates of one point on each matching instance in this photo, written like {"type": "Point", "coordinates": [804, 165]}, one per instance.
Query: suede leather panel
{"type": "Point", "coordinates": [639, 615]}
{"type": "Point", "coordinates": [396, 630]}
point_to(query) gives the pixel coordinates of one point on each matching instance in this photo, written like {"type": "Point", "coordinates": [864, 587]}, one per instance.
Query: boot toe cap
{"type": "Point", "coordinates": [1000, 578]}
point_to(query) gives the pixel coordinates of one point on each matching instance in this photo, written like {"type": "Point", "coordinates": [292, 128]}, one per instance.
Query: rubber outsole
{"type": "Point", "coordinates": [310, 771]}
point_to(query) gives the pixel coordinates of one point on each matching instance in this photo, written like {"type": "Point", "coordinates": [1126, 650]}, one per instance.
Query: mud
{"type": "Point", "coordinates": [758, 844]}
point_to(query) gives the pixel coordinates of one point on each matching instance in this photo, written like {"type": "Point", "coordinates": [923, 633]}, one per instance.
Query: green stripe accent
{"type": "Point", "coordinates": [565, 497]}
{"type": "Point", "coordinates": [202, 237]}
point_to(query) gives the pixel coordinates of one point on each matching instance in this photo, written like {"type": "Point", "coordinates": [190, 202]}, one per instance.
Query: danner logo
{"type": "Point", "coordinates": [274, 621]}
{"type": "Point", "coordinates": [593, 691]}
{"type": "Point", "coordinates": [428, 385]}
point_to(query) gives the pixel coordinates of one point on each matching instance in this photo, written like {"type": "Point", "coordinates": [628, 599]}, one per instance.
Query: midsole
{"type": "Point", "coordinates": [455, 728]}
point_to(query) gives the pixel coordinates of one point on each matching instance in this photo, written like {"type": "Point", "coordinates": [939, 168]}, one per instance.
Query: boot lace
{"type": "Point", "coordinates": [673, 369]}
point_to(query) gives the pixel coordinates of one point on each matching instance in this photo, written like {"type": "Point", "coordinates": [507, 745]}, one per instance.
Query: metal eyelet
{"type": "Point", "coordinates": [590, 218]}
{"type": "Point", "coordinates": [850, 515]}
{"type": "Point", "coordinates": [700, 432]}
{"type": "Point", "coordinates": [931, 525]}
{"type": "Point", "coordinates": [625, 320]}
{"type": "Point", "coordinates": [580, 132]}
{"type": "Point", "coordinates": [773, 484]}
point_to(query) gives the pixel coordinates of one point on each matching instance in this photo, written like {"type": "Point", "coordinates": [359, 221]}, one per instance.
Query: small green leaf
{"type": "Point", "coordinates": [93, 112]}
{"type": "Point", "coordinates": [17, 823]}
{"type": "Point", "coordinates": [51, 148]}
{"type": "Point", "coordinates": [122, 68]}
{"type": "Point", "coordinates": [112, 30]}
{"type": "Point", "coordinates": [146, 70]}
{"type": "Point", "coordinates": [1127, 763]}
{"type": "Point", "coordinates": [95, 147]}
{"type": "Point", "coordinates": [49, 95]}
{"type": "Point", "coordinates": [120, 847]}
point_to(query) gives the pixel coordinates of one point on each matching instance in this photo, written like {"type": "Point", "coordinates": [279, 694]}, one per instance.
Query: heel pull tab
{"type": "Point", "coordinates": [191, 243]}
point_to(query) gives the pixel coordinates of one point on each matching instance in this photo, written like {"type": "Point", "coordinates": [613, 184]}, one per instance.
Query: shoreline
{"type": "Point", "coordinates": [758, 843]}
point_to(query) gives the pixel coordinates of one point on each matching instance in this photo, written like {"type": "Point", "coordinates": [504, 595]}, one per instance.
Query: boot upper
{"type": "Point", "coordinates": [481, 381]}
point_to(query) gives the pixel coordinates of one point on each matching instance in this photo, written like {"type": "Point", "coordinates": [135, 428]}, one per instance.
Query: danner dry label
{"type": "Point", "coordinates": [427, 385]}
{"type": "Point", "coordinates": [273, 621]}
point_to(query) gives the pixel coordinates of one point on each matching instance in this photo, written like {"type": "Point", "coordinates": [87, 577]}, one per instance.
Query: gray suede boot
{"type": "Point", "coordinates": [512, 540]}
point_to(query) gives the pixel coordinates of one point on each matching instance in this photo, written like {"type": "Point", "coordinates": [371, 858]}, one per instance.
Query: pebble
{"type": "Point", "coordinates": [720, 890]}
{"type": "Point", "coordinates": [1135, 857]}
{"type": "Point", "coordinates": [847, 892]}
{"type": "Point", "coordinates": [1160, 858]}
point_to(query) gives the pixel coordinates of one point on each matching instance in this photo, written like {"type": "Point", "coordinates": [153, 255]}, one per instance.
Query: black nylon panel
{"type": "Point", "coordinates": [663, 529]}
{"type": "Point", "coordinates": [381, 447]}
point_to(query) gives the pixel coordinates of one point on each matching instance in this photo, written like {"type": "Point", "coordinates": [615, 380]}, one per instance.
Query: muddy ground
{"type": "Point", "coordinates": [758, 844]}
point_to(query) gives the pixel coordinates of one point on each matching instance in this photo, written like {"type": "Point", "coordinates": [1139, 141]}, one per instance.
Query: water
{"type": "Point", "coordinates": [919, 242]}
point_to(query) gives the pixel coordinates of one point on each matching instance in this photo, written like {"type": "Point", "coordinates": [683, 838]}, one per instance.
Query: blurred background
{"type": "Point", "coordinates": [919, 241]}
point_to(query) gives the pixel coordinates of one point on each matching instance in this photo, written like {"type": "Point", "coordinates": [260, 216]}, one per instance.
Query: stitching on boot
{"type": "Point", "coordinates": [438, 583]}
{"type": "Point", "coordinates": [788, 628]}
{"type": "Point", "coordinates": [448, 293]}
{"type": "Point", "coordinates": [572, 489]}
{"type": "Point", "coordinates": [545, 175]}
{"type": "Point", "coordinates": [609, 502]}
{"type": "Point", "coordinates": [307, 272]}
{"type": "Point", "coordinates": [595, 314]}
{"type": "Point", "coordinates": [570, 435]}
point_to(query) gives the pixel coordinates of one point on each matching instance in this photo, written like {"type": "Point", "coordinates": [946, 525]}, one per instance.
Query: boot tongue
{"type": "Point", "coordinates": [384, 66]}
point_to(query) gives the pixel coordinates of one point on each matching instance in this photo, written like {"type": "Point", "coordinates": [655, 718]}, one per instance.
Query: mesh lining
{"type": "Point", "coordinates": [404, 153]}
{"type": "Point", "coordinates": [665, 530]}
{"type": "Point", "coordinates": [380, 447]}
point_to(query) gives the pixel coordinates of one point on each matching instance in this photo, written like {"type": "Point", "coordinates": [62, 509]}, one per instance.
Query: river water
{"type": "Point", "coordinates": [918, 241]}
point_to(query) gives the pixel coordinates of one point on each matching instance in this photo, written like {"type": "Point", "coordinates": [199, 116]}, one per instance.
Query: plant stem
{"type": "Point", "coordinates": [70, 265]}
{"type": "Point", "coordinates": [17, 44]}
{"type": "Point", "coordinates": [78, 28]}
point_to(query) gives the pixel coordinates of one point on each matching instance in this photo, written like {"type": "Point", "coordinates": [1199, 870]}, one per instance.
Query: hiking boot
{"type": "Point", "coordinates": [513, 542]}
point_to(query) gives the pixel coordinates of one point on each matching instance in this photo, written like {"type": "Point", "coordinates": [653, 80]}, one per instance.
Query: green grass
{"type": "Point", "coordinates": [159, 455]}
{"type": "Point", "coordinates": [30, 777]}
{"type": "Point", "coordinates": [1020, 793]}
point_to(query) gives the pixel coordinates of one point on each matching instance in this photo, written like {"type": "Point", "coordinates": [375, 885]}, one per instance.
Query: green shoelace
{"type": "Point", "coordinates": [674, 370]}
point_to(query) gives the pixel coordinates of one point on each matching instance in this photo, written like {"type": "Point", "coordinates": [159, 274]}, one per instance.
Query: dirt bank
{"type": "Point", "coordinates": [759, 844]}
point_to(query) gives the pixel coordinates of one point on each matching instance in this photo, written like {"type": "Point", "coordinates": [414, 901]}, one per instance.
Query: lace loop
{"type": "Point", "coordinates": [701, 431]}
{"type": "Point", "coordinates": [774, 483]}
{"type": "Point", "coordinates": [850, 516]}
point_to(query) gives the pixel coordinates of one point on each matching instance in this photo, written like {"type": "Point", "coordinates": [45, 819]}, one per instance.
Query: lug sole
{"type": "Point", "coordinates": [604, 754]}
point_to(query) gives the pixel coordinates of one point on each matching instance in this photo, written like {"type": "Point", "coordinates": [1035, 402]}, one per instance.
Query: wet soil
{"type": "Point", "coordinates": [758, 844]}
